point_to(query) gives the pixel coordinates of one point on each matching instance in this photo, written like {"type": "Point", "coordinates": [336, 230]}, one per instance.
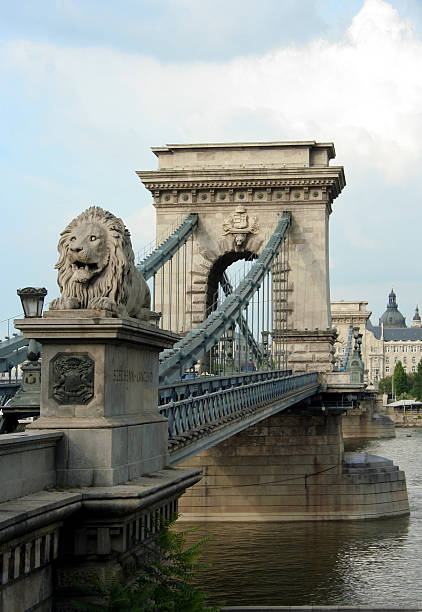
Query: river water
{"type": "Point", "coordinates": [367, 563]}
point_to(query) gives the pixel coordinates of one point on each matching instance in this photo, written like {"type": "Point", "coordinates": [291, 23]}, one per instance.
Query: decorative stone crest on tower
{"type": "Point", "coordinates": [239, 227]}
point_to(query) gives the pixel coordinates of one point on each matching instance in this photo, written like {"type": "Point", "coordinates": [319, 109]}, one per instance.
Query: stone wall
{"type": "Point", "coordinates": [27, 571]}
{"type": "Point", "coordinates": [407, 419]}
{"type": "Point", "coordinates": [51, 539]}
{"type": "Point", "coordinates": [358, 424]}
{"type": "Point", "coordinates": [291, 467]}
{"type": "Point", "coordinates": [27, 463]}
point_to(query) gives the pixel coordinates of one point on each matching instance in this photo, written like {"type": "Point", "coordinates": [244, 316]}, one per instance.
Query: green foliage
{"type": "Point", "coordinates": [385, 385]}
{"type": "Point", "coordinates": [164, 581]}
{"type": "Point", "coordinates": [411, 382]}
{"type": "Point", "coordinates": [112, 596]}
{"type": "Point", "coordinates": [417, 384]}
{"type": "Point", "coordinates": [400, 380]}
{"type": "Point", "coordinates": [407, 396]}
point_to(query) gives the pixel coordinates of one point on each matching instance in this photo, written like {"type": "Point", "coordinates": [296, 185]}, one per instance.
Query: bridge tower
{"type": "Point", "coordinates": [239, 191]}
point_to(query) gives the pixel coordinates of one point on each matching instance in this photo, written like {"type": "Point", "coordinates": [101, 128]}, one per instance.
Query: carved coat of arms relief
{"type": "Point", "coordinates": [72, 378]}
{"type": "Point", "coordinates": [239, 226]}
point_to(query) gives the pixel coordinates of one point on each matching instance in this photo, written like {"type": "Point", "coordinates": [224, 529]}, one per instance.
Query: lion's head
{"type": "Point", "coordinates": [95, 257]}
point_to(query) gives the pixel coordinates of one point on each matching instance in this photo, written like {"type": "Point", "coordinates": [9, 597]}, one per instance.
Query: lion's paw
{"type": "Point", "coordinates": [103, 303]}
{"type": "Point", "coordinates": [64, 303]}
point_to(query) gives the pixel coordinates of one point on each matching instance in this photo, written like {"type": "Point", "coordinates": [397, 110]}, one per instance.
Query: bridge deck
{"type": "Point", "coordinates": [198, 423]}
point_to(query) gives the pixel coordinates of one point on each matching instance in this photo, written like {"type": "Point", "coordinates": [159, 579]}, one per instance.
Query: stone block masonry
{"type": "Point", "coordinates": [291, 467]}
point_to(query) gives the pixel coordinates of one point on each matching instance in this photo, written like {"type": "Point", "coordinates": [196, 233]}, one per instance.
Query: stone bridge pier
{"type": "Point", "coordinates": [239, 190]}
{"type": "Point", "coordinates": [292, 467]}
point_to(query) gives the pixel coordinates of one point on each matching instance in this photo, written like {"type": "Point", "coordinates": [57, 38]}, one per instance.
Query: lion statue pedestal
{"type": "Point", "coordinates": [99, 385]}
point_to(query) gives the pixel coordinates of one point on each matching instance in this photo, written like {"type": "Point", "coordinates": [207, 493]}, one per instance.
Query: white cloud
{"type": "Point", "coordinates": [363, 92]}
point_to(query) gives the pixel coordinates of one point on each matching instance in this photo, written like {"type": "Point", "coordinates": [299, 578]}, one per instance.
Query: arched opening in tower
{"type": "Point", "coordinates": [216, 275]}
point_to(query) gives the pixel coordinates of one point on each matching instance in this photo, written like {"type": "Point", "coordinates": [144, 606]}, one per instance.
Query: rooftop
{"type": "Point", "coordinates": [295, 154]}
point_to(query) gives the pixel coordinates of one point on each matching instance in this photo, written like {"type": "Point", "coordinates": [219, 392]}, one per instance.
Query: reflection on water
{"type": "Point", "coordinates": [350, 563]}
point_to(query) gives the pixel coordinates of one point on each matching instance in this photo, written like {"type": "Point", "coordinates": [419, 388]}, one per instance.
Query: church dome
{"type": "Point", "coordinates": [392, 317]}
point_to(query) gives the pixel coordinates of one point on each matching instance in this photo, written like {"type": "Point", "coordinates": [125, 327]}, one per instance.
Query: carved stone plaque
{"type": "Point", "coordinates": [72, 378]}
{"type": "Point", "coordinates": [239, 226]}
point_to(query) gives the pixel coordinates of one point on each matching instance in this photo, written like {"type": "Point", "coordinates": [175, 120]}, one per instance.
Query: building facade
{"type": "Point", "coordinates": [383, 345]}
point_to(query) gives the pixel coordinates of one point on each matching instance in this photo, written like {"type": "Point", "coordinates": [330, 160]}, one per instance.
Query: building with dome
{"type": "Point", "coordinates": [392, 317]}
{"type": "Point", "coordinates": [383, 345]}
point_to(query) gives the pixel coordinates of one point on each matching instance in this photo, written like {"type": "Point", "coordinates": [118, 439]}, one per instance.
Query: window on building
{"type": "Point", "coordinates": [387, 369]}
{"type": "Point", "coordinates": [396, 359]}
{"type": "Point", "coordinates": [413, 359]}
{"type": "Point", "coordinates": [404, 359]}
{"type": "Point", "coordinates": [387, 360]}
{"type": "Point", "coordinates": [413, 348]}
{"type": "Point", "coordinates": [395, 349]}
{"type": "Point", "coordinates": [413, 368]}
{"type": "Point", "coordinates": [387, 349]}
{"type": "Point", "coordinates": [405, 349]}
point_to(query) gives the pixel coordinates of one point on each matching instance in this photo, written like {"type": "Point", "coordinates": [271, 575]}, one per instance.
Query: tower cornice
{"type": "Point", "coordinates": [293, 184]}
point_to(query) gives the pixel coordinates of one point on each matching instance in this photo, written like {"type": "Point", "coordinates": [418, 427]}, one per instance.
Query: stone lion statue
{"type": "Point", "coordinates": [96, 267]}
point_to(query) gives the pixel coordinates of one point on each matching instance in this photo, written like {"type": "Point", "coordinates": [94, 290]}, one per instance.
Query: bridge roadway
{"type": "Point", "coordinates": [202, 413]}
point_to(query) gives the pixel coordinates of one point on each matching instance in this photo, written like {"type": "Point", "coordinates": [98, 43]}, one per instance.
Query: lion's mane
{"type": "Point", "coordinates": [116, 280]}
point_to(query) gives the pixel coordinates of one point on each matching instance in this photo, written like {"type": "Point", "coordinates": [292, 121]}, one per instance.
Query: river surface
{"type": "Point", "coordinates": [367, 563]}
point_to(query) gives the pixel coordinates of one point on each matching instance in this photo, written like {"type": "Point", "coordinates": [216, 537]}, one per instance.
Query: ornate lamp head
{"type": "Point", "coordinates": [32, 299]}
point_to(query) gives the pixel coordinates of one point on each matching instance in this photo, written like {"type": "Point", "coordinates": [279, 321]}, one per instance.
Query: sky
{"type": "Point", "coordinates": [88, 86]}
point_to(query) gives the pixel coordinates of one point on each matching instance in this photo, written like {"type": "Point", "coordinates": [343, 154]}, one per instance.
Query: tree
{"type": "Point", "coordinates": [400, 380]}
{"type": "Point", "coordinates": [385, 385]}
{"type": "Point", "coordinates": [411, 383]}
{"type": "Point", "coordinates": [417, 385]}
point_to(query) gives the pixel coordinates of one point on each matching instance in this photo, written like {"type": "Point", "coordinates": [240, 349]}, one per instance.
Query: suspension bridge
{"type": "Point", "coordinates": [261, 339]}
{"type": "Point", "coordinates": [238, 418]}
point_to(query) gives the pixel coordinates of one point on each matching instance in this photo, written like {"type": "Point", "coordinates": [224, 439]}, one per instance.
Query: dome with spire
{"type": "Point", "coordinates": [392, 317]}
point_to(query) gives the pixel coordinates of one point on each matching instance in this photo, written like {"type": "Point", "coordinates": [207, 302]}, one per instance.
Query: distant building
{"type": "Point", "coordinates": [383, 345]}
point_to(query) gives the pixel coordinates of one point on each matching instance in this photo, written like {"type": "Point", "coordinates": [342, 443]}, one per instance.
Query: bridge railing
{"type": "Point", "coordinates": [194, 416]}
{"type": "Point", "coordinates": [200, 385]}
{"type": "Point", "coordinates": [7, 391]}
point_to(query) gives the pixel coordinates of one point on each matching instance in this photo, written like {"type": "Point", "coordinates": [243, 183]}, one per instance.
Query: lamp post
{"type": "Point", "coordinates": [27, 400]}
{"type": "Point", "coordinates": [356, 363]}
{"type": "Point", "coordinates": [251, 363]}
{"type": "Point", "coordinates": [229, 351]}
{"type": "Point", "coordinates": [265, 353]}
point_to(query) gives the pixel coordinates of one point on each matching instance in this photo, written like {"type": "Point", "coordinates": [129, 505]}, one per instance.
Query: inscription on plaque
{"type": "Point", "coordinates": [72, 378]}
{"type": "Point", "coordinates": [131, 376]}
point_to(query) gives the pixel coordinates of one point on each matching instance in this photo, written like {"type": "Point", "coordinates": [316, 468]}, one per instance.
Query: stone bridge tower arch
{"type": "Point", "coordinates": [239, 191]}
